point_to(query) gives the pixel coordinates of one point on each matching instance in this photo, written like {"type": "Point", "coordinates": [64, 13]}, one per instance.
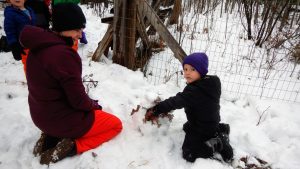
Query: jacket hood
{"type": "Point", "coordinates": [210, 85]}
{"type": "Point", "coordinates": [35, 38]}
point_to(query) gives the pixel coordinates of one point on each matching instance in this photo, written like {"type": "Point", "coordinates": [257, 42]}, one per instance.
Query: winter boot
{"type": "Point", "coordinates": [39, 145]}
{"type": "Point", "coordinates": [66, 147]}
{"type": "Point", "coordinates": [44, 143]}
{"type": "Point", "coordinates": [226, 151]}
{"type": "Point", "coordinates": [223, 128]}
{"type": "Point", "coordinates": [188, 155]}
{"type": "Point", "coordinates": [215, 144]}
{"type": "Point", "coordinates": [220, 144]}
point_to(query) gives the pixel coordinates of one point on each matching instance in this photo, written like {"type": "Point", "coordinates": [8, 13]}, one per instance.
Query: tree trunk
{"type": "Point", "coordinates": [175, 13]}
{"type": "Point", "coordinates": [248, 6]}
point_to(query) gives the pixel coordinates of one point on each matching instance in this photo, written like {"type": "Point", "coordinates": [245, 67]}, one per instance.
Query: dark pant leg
{"type": "Point", "coordinates": [194, 147]}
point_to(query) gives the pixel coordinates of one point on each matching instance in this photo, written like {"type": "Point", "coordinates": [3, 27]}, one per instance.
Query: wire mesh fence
{"type": "Point", "coordinates": [243, 67]}
{"type": "Point", "coordinates": [250, 44]}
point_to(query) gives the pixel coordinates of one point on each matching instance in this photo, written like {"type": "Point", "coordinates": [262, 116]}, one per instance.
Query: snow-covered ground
{"type": "Point", "coordinates": [268, 130]}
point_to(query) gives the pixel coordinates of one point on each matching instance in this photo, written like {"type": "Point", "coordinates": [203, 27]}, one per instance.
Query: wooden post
{"type": "Point", "coordinates": [129, 17]}
{"type": "Point", "coordinates": [124, 33]}
{"type": "Point", "coordinates": [141, 28]}
{"type": "Point", "coordinates": [116, 32]}
{"type": "Point", "coordinates": [104, 44]}
{"type": "Point", "coordinates": [129, 34]}
{"type": "Point", "coordinates": [151, 15]}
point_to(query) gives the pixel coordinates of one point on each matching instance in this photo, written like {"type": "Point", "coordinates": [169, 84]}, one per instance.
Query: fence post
{"type": "Point", "coordinates": [159, 26]}
{"type": "Point", "coordinates": [124, 26]}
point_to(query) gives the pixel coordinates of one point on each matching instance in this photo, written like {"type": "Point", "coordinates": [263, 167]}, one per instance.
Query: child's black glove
{"type": "Point", "coordinates": [17, 50]}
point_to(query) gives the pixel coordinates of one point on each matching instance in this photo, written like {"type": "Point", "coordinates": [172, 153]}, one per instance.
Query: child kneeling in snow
{"type": "Point", "coordinates": [70, 121]}
{"type": "Point", "coordinates": [200, 99]}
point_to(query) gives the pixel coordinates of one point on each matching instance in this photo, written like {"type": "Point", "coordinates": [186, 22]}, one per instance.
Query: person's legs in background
{"type": "Point", "coordinates": [83, 38]}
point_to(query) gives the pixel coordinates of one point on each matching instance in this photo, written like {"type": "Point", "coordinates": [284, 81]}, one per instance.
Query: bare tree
{"type": "Point", "coordinates": [248, 8]}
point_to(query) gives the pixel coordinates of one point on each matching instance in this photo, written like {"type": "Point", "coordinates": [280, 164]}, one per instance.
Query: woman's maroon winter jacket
{"type": "Point", "coordinates": [59, 105]}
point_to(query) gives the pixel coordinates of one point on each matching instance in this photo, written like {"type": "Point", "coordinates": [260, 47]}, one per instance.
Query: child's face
{"type": "Point", "coordinates": [74, 34]}
{"type": "Point", "coordinates": [18, 3]}
{"type": "Point", "coordinates": [190, 73]}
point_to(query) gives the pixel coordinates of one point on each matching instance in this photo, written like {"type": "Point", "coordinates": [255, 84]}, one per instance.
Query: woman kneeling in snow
{"type": "Point", "coordinates": [70, 121]}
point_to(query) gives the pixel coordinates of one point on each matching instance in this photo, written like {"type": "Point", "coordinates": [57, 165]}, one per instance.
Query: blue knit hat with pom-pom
{"type": "Point", "coordinates": [199, 61]}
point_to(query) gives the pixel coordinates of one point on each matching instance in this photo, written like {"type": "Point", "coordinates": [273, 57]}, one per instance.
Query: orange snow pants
{"type": "Point", "coordinates": [105, 127]}
{"type": "Point", "coordinates": [24, 58]}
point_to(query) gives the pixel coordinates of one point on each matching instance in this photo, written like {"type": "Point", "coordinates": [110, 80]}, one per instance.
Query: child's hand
{"type": "Point", "coordinates": [150, 116]}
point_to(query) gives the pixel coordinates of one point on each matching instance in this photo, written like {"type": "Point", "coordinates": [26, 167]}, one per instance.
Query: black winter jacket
{"type": "Point", "coordinates": [200, 100]}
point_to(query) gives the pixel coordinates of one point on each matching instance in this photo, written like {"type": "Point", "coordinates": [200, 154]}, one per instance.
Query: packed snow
{"type": "Point", "coordinates": [265, 129]}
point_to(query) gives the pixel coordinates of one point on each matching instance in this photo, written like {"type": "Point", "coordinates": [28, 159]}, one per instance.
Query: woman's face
{"type": "Point", "coordinates": [190, 73]}
{"type": "Point", "coordinates": [74, 34]}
